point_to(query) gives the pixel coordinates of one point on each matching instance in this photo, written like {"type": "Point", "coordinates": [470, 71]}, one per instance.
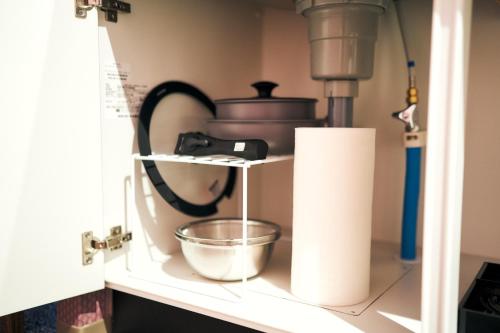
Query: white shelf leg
{"type": "Point", "coordinates": [444, 166]}
{"type": "Point", "coordinates": [245, 229]}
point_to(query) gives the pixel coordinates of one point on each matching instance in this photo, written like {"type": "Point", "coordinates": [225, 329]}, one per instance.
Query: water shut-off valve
{"type": "Point", "coordinates": [409, 115]}
{"type": "Point", "coordinates": [414, 140]}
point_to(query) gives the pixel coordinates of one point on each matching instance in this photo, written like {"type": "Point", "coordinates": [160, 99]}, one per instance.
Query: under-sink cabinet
{"type": "Point", "coordinates": [72, 88]}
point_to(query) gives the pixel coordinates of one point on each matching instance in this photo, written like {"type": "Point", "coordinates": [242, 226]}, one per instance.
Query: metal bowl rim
{"type": "Point", "coordinates": [261, 240]}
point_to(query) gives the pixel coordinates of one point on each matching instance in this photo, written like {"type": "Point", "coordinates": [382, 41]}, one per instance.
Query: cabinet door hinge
{"type": "Point", "coordinates": [91, 244]}
{"type": "Point", "coordinates": [109, 7]}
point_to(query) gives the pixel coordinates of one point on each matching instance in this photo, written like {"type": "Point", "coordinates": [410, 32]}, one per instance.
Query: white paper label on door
{"type": "Point", "coordinates": [121, 98]}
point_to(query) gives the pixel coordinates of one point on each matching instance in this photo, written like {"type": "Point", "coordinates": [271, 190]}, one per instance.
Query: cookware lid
{"type": "Point", "coordinates": [181, 203]}
{"type": "Point", "coordinates": [264, 91]}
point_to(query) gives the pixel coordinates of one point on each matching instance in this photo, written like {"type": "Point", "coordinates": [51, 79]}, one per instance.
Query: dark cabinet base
{"type": "Point", "coordinates": [133, 314]}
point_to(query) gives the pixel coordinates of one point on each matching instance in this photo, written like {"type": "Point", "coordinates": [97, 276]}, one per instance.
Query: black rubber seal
{"type": "Point", "coordinates": [146, 114]}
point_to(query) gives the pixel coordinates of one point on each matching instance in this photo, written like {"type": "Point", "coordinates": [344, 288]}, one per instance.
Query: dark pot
{"type": "Point", "coordinates": [265, 106]}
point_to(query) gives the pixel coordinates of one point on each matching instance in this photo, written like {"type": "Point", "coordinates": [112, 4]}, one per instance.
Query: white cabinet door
{"type": "Point", "coordinates": [50, 169]}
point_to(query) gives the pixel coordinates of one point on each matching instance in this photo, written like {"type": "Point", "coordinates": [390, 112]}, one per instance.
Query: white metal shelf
{"type": "Point", "coordinates": [215, 160]}
{"type": "Point", "coordinates": [218, 160]}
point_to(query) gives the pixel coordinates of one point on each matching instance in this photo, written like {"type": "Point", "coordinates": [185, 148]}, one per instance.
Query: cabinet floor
{"type": "Point", "coordinates": [396, 310]}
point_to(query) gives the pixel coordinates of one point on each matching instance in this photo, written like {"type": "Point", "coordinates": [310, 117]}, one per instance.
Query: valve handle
{"type": "Point", "coordinates": [407, 116]}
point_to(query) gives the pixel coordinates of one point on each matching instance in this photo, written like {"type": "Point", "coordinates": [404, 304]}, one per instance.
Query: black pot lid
{"type": "Point", "coordinates": [264, 95]}
{"type": "Point", "coordinates": [197, 187]}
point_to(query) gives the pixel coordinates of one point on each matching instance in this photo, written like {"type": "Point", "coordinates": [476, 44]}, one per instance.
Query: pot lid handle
{"type": "Point", "coordinates": [264, 88]}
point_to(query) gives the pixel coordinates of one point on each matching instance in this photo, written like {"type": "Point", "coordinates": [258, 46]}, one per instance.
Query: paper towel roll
{"type": "Point", "coordinates": [332, 214]}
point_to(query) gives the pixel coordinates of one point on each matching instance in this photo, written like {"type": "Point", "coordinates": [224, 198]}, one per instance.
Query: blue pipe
{"type": "Point", "coordinates": [410, 205]}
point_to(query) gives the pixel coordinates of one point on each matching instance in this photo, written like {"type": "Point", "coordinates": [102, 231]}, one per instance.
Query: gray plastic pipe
{"type": "Point", "coordinates": [340, 111]}
{"type": "Point", "coordinates": [342, 36]}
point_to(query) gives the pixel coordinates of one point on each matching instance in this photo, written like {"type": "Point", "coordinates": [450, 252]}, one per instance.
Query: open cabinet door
{"type": "Point", "coordinates": [50, 170]}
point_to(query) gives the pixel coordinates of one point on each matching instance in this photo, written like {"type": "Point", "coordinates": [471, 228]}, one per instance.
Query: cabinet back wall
{"type": "Point", "coordinates": [223, 46]}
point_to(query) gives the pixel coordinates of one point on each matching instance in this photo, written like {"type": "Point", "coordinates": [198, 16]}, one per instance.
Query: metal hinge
{"type": "Point", "coordinates": [91, 244]}
{"type": "Point", "coordinates": [109, 7]}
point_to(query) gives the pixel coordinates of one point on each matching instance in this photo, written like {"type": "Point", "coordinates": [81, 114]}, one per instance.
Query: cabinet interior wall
{"type": "Point", "coordinates": [223, 46]}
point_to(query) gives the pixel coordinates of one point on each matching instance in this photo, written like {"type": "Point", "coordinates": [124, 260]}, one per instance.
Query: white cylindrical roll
{"type": "Point", "coordinates": [332, 214]}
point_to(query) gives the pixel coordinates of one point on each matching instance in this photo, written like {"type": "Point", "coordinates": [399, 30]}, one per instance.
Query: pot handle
{"type": "Point", "coordinates": [264, 88]}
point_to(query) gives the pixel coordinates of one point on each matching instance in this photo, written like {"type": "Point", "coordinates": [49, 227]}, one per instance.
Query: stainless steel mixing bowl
{"type": "Point", "coordinates": [214, 248]}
